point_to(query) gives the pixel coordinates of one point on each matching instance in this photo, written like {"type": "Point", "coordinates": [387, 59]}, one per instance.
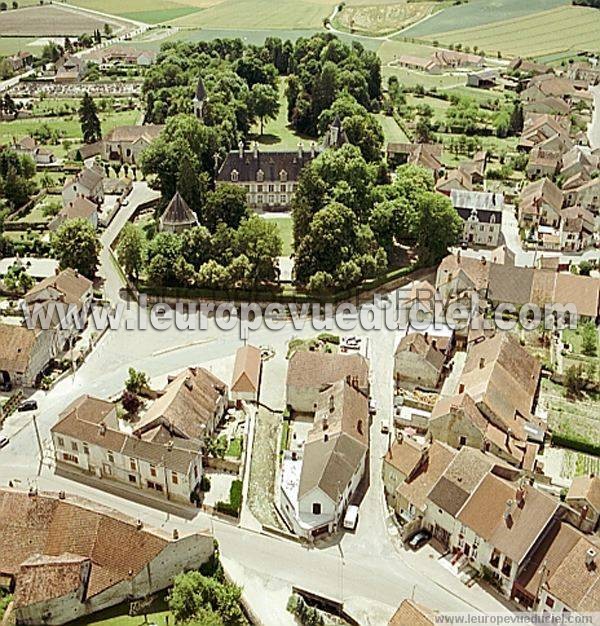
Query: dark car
{"type": "Point", "coordinates": [28, 405]}
{"type": "Point", "coordinates": [419, 539]}
{"type": "Point", "coordinates": [5, 385]}
{"type": "Point", "coordinates": [3, 442]}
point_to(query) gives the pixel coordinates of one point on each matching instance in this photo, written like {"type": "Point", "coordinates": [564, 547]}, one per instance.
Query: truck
{"type": "Point", "coordinates": [351, 517]}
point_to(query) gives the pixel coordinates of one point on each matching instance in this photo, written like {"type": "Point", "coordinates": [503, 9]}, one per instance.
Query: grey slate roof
{"type": "Point", "coordinates": [178, 212]}
{"type": "Point", "coordinates": [271, 163]}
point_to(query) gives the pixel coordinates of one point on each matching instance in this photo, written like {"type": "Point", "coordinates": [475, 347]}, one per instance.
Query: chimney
{"type": "Point", "coordinates": [170, 446]}
{"type": "Point", "coordinates": [61, 495]}
{"type": "Point", "coordinates": [139, 524]}
{"type": "Point", "coordinates": [349, 379]}
{"type": "Point", "coordinates": [458, 257]}
{"type": "Point", "coordinates": [241, 148]}
{"type": "Point", "coordinates": [426, 336]}
{"type": "Point", "coordinates": [508, 512]}
{"type": "Point", "coordinates": [520, 495]}
{"type": "Point", "coordinates": [300, 150]}
{"type": "Point", "coordinates": [483, 261]}
{"type": "Point", "coordinates": [400, 437]}
{"type": "Point", "coordinates": [331, 403]}
{"type": "Point", "coordinates": [590, 558]}
{"type": "Point", "coordinates": [175, 534]}
{"type": "Point", "coordinates": [325, 423]}
{"type": "Point", "coordinates": [508, 434]}
{"type": "Point", "coordinates": [325, 437]}
{"type": "Point", "coordinates": [434, 344]}
{"type": "Point", "coordinates": [582, 515]}
{"type": "Point", "coordinates": [461, 388]}
{"type": "Point", "coordinates": [256, 149]}
{"type": "Point", "coordinates": [313, 149]}
{"type": "Point", "coordinates": [102, 429]}
{"type": "Point", "coordinates": [359, 427]}
{"type": "Point", "coordinates": [481, 363]}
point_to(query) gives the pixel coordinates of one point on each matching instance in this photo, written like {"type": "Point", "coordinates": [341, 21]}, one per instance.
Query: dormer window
{"type": "Point", "coordinates": [235, 176]}
{"type": "Point", "coordinates": [260, 176]}
{"type": "Point", "coordinates": [283, 176]}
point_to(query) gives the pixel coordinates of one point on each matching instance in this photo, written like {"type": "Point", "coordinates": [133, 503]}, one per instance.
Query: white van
{"type": "Point", "coordinates": [351, 517]}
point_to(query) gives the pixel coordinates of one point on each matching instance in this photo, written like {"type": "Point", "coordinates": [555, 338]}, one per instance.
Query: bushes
{"type": "Point", "coordinates": [306, 615]}
{"type": "Point", "coordinates": [569, 441]}
{"type": "Point", "coordinates": [234, 506]}
{"type": "Point", "coordinates": [205, 483]}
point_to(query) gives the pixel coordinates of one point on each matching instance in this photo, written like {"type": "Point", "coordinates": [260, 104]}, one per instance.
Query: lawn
{"type": "Point", "coordinates": [235, 448]}
{"type": "Point", "coordinates": [286, 228]}
{"type": "Point", "coordinates": [382, 19]}
{"type": "Point", "coordinates": [560, 29]}
{"type": "Point", "coordinates": [11, 45]}
{"type": "Point", "coordinates": [391, 130]}
{"type": "Point", "coordinates": [66, 126]}
{"type": "Point", "coordinates": [278, 134]}
{"type": "Point", "coordinates": [478, 13]}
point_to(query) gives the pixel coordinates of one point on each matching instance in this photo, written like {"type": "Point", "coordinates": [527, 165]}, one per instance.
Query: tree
{"type": "Point", "coordinates": [585, 268]}
{"type": "Point", "coordinates": [265, 103]}
{"type": "Point", "coordinates": [17, 280]}
{"type": "Point", "coordinates": [75, 244]}
{"type": "Point", "coordinates": [439, 227]}
{"type": "Point", "coordinates": [589, 339]}
{"type": "Point", "coordinates": [259, 240]}
{"type": "Point", "coordinates": [108, 30]}
{"type": "Point", "coordinates": [131, 403]}
{"type": "Point", "coordinates": [131, 250]}
{"type": "Point", "coordinates": [227, 204]}
{"type": "Point", "coordinates": [517, 118]}
{"type": "Point", "coordinates": [574, 381]}
{"type": "Point", "coordinates": [88, 116]}
{"type": "Point", "coordinates": [163, 252]}
{"type": "Point", "coordinates": [137, 382]}
{"type": "Point", "coordinates": [192, 594]}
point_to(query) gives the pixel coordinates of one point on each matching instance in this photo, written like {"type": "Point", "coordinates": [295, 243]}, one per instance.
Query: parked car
{"type": "Point", "coordinates": [385, 429]}
{"type": "Point", "coordinates": [6, 386]}
{"type": "Point", "coordinates": [372, 406]}
{"type": "Point", "coordinates": [419, 539]}
{"type": "Point", "coordinates": [351, 517]}
{"type": "Point", "coordinates": [28, 405]}
{"type": "Point", "coordinates": [3, 442]}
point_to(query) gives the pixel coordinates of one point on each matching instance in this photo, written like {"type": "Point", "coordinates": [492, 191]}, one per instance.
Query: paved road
{"type": "Point", "coordinates": [594, 127]}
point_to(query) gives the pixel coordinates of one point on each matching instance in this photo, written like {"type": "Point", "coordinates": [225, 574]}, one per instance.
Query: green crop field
{"type": "Point", "coordinates": [144, 11]}
{"type": "Point", "coordinates": [477, 13]}
{"type": "Point", "coordinates": [557, 30]}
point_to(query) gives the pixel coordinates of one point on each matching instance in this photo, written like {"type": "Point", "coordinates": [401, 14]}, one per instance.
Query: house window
{"type": "Point", "coordinates": [155, 486]}
{"type": "Point", "coordinates": [549, 601]}
{"type": "Point", "coordinates": [495, 559]}
{"type": "Point", "coordinates": [86, 448]}
{"type": "Point", "coordinates": [271, 199]}
{"type": "Point", "coordinates": [260, 176]}
{"type": "Point", "coordinates": [271, 188]}
{"type": "Point", "coordinates": [259, 188]}
{"type": "Point", "coordinates": [132, 478]}
{"type": "Point", "coordinates": [316, 508]}
{"type": "Point", "coordinates": [283, 176]}
{"type": "Point", "coordinates": [111, 457]}
{"type": "Point", "coordinates": [152, 471]}
{"type": "Point", "coordinates": [259, 199]}
{"type": "Point", "coordinates": [234, 176]}
{"type": "Point", "coordinates": [133, 464]}
{"type": "Point", "coordinates": [195, 471]}
{"type": "Point", "coordinates": [70, 457]}
{"type": "Point", "coordinates": [74, 446]}
{"type": "Point", "coordinates": [283, 199]}
{"type": "Point", "coordinates": [462, 441]}
{"type": "Point", "coordinates": [175, 478]}
{"type": "Point", "coordinates": [283, 188]}
{"type": "Point", "coordinates": [61, 442]}
{"type": "Point", "coordinates": [507, 566]}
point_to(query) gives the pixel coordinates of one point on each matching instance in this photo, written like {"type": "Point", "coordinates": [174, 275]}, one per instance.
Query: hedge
{"type": "Point", "coordinates": [575, 444]}
{"type": "Point", "coordinates": [234, 506]}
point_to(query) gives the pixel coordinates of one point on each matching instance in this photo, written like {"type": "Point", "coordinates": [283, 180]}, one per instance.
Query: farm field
{"type": "Point", "coordinates": [144, 11]}
{"type": "Point", "coordinates": [382, 19]}
{"type": "Point", "coordinates": [557, 30]}
{"type": "Point", "coordinates": [477, 13]}
{"type": "Point", "coordinates": [258, 14]}
{"type": "Point", "coordinates": [53, 21]}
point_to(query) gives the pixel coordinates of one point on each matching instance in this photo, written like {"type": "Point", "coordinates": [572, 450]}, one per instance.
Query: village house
{"type": "Point", "coordinates": [66, 557]}
{"type": "Point", "coordinates": [458, 179]}
{"type": "Point", "coordinates": [89, 439]}
{"type": "Point", "coordinates": [481, 213]}
{"type": "Point", "coordinates": [24, 355]}
{"type": "Point", "coordinates": [126, 143]}
{"type": "Point", "coordinates": [29, 146]}
{"type": "Point", "coordinates": [577, 229]}
{"type": "Point", "coordinates": [270, 179]}
{"type": "Point", "coordinates": [542, 163]}
{"type": "Point", "coordinates": [78, 208]}
{"type": "Point", "coordinates": [579, 161]}
{"type": "Point", "coordinates": [191, 407]}
{"type": "Point", "coordinates": [311, 372]}
{"type": "Point", "coordinates": [583, 72]}
{"type": "Point", "coordinates": [418, 363]}
{"type": "Point", "coordinates": [245, 383]}
{"type": "Point", "coordinates": [410, 613]}
{"type": "Point", "coordinates": [426, 155]}
{"type": "Point", "coordinates": [119, 55]}
{"type": "Point", "coordinates": [87, 183]}
{"type": "Point", "coordinates": [546, 85]}
{"type": "Point", "coordinates": [545, 131]}
{"type": "Point", "coordinates": [319, 482]}
{"type": "Point", "coordinates": [70, 69]}
{"type": "Point", "coordinates": [439, 61]}
{"type": "Point", "coordinates": [586, 195]}
{"type": "Point", "coordinates": [540, 204]}
{"type": "Point", "coordinates": [526, 66]}
{"type": "Point", "coordinates": [494, 403]}
{"type": "Point", "coordinates": [177, 217]}
{"type": "Point", "coordinates": [561, 574]}
{"type": "Point", "coordinates": [484, 79]}
{"type": "Point", "coordinates": [457, 274]}
{"type": "Point", "coordinates": [551, 105]}
{"type": "Point", "coordinates": [584, 497]}
{"type": "Point", "coordinates": [67, 289]}
{"type": "Point", "coordinates": [402, 457]}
